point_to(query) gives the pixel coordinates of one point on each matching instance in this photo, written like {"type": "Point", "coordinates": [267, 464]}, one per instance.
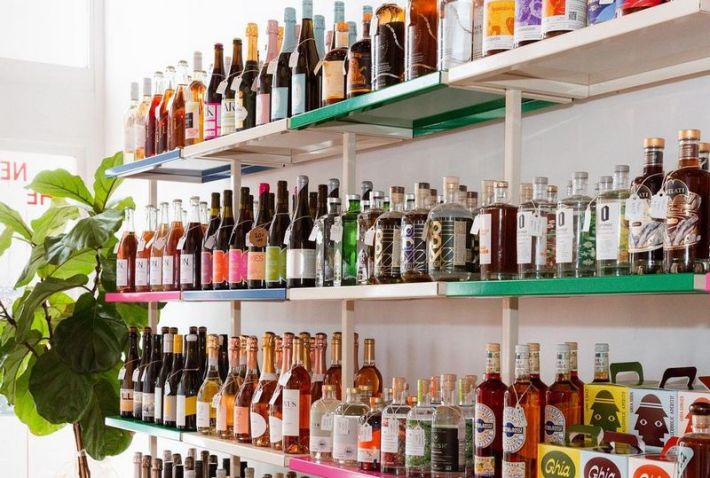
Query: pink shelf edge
{"type": "Point", "coordinates": [331, 470]}
{"type": "Point", "coordinates": [142, 296]}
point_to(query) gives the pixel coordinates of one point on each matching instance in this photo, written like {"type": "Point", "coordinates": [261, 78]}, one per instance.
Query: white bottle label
{"type": "Point", "coordinates": [169, 412]}
{"type": "Point", "coordinates": [345, 437]}
{"type": "Point", "coordinates": [565, 235]}
{"type": "Point", "coordinates": [608, 230]}
{"type": "Point", "coordinates": [524, 237]}
{"type": "Point", "coordinates": [390, 434]}
{"type": "Point", "coordinates": [156, 271]}
{"type": "Point", "coordinates": [158, 415]}
{"type": "Point", "coordinates": [275, 429]}
{"type": "Point", "coordinates": [180, 411]}
{"type": "Point", "coordinates": [203, 414]}
{"type": "Point", "coordinates": [291, 400]}
{"type": "Point", "coordinates": [414, 446]}
{"type": "Point", "coordinates": [258, 424]}
{"type": "Point", "coordinates": [142, 271]}
{"type": "Point", "coordinates": [187, 268]}
{"type": "Point", "coordinates": [148, 405]}
{"type": "Point", "coordinates": [227, 120]}
{"type": "Point", "coordinates": [485, 426]}
{"type": "Point", "coordinates": [121, 272]}
{"type": "Point", "coordinates": [572, 17]}
{"type": "Point", "coordinates": [514, 469]}
{"type": "Point", "coordinates": [301, 264]}
{"type": "Point", "coordinates": [484, 233]}
{"type": "Point", "coordinates": [167, 270]}
{"type": "Point", "coordinates": [322, 444]}
{"type": "Point", "coordinates": [192, 119]}
{"type": "Point", "coordinates": [221, 417]}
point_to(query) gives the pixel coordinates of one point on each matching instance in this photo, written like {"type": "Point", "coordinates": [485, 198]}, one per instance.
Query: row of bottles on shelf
{"type": "Point", "coordinates": [301, 71]}
{"type": "Point", "coordinates": [658, 222]}
{"type": "Point", "coordinates": [204, 465]}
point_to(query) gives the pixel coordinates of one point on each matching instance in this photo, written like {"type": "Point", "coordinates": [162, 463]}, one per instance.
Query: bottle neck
{"type": "Point", "coordinates": [192, 359]}
{"type": "Point", "coordinates": [237, 61]}
{"type": "Point", "coordinates": [562, 371]}
{"type": "Point", "coordinates": [335, 353]}
{"type": "Point", "coordinates": [535, 364]}
{"type": "Point", "coordinates": [579, 187]}
{"type": "Point", "coordinates": [302, 208]}
{"type": "Point", "coordinates": [369, 356]}
{"type": "Point", "coordinates": [253, 48]}
{"type": "Point", "coordinates": [252, 361]}
{"type": "Point", "coordinates": [493, 364]}
{"type": "Point", "coordinates": [272, 49]}
{"type": "Point", "coordinates": [448, 395]}
{"type": "Point", "coordinates": [128, 221]}
{"type": "Point", "coordinates": [268, 360]}
{"type": "Point", "coordinates": [366, 25]}
{"type": "Point", "coordinates": [218, 63]}
{"type": "Point", "coordinates": [319, 365]}
{"type": "Point", "coordinates": [522, 367]}
{"type": "Point", "coordinates": [341, 39]}
{"type": "Point", "coordinates": [621, 180]}
{"type": "Point", "coordinates": [452, 195]}
{"type": "Point", "coordinates": [701, 424]}
{"type": "Point", "coordinates": [289, 41]}
{"type": "Point", "coordinates": [177, 212]}
{"type": "Point", "coordinates": [287, 355]}
{"type": "Point", "coordinates": [213, 359]}
{"type": "Point", "coordinates": [195, 213]}
{"type": "Point", "coordinates": [354, 205]}
{"type": "Point", "coordinates": [601, 367]}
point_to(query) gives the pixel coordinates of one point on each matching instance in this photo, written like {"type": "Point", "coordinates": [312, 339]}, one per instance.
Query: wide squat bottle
{"type": "Point", "coordinates": [394, 429]}
{"type": "Point", "coordinates": [296, 403]}
{"type": "Point", "coordinates": [321, 423]}
{"type": "Point", "coordinates": [448, 236]}
{"type": "Point", "coordinates": [388, 45]}
{"type": "Point", "coordinates": [206, 410]}
{"type": "Point", "coordinates": [259, 417]}
{"type": "Point", "coordinates": [417, 448]}
{"type": "Point", "coordinates": [301, 254]}
{"type": "Point", "coordinates": [413, 263]}
{"type": "Point", "coordinates": [697, 444]}
{"type": "Point", "coordinates": [187, 389]}
{"type": "Point", "coordinates": [366, 237]}
{"type": "Point", "coordinates": [191, 252]}
{"type": "Point", "coordinates": [448, 433]}
{"type": "Point", "coordinates": [329, 244]}
{"type": "Point", "coordinates": [497, 235]}
{"type": "Point", "coordinates": [388, 240]}
{"type": "Point", "coordinates": [126, 255]}
{"type": "Point", "coordinates": [612, 226]}
{"type": "Point", "coordinates": [536, 232]}
{"type": "Point", "coordinates": [575, 243]}
{"type": "Point", "coordinates": [521, 420]}
{"type": "Point", "coordinates": [455, 33]}
{"type": "Point", "coordinates": [422, 19]}
{"type": "Point", "coordinates": [490, 401]}
{"type": "Point", "coordinates": [346, 424]}
{"type": "Point", "coordinates": [562, 405]}
{"type": "Point", "coordinates": [359, 77]}
{"type": "Point", "coordinates": [645, 231]}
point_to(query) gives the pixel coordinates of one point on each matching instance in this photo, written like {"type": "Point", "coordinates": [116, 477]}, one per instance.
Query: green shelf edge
{"type": "Point", "coordinates": [649, 284]}
{"type": "Point", "coordinates": [142, 427]}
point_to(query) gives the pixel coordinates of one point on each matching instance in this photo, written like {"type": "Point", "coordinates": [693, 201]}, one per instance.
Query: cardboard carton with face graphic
{"type": "Point", "coordinates": [557, 461]}
{"type": "Point", "coordinates": [688, 397]}
{"type": "Point", "coordinates": [655, 465]}
{"type": "Point", "coordinates": [611, 458]}
{"type": "Point", "coordinates": [606, 405]}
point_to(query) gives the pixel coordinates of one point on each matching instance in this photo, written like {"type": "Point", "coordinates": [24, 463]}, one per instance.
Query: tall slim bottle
{"type": "Point", "coordinates": [259, 415]}
{"type": "Point", "coordinates": [349, 242]}
{"type": "Point", "coordinates": [162, 376]}
{"type": "Point", "coordinates": [152, 118]}
{"type": "Point", "coordinates": [448, 433]}
{"type": "Point", "coordinates": [318, 34]}
{"type": "Point", "coordinates": [263, 98]}
{"type": "Point", "coordinates": [366, 237]}
{"type": "Point", "coordinates": [333, 376]}
{"type": "Point", "coordinates": [417, 450]}
{"type": "Point", "coordinates": [319, 368]}
{"type": "Point", "coordinates": [359, 77]}
{"type": "Point", "coordinates": [388, 44]}
{"type": "Point", "coordinates": [163, 112]}
{"type": "Point", "coordinates": [195, 104]}
{"type": "Point", "coordinates": [209, 242]}
{"type": "Point", "coordinates": [245, 111]}
{"type": "Point", "coordinates": [562, 405]}
{"type": "Point", "coordinates": [141, 118]}
{"type": "Point", "coordinates": [334, 74]}
{"type": "Point", "coordinates": [228, 392]}
{"type": "Point", "coordinates": [536, 381]}
{"type": "Point", "coordinates": [467, 389]}
{"type": "Point", "coordinates": [346, 421]}
{"type": "Point", "coordinates": [422, 38]}
{"type": "Point", "coordinates": [206, 411]}
{"type": "Point", "coordinates": [171, 383]}
{"type": "Point", "coordinates": [213, 99]}
{"type": "Point", "coordinates": [257, 240]}
{"type": "Point", "coordinates": [187, 389]}
{"type": "Point", "coordinates": [129, 126]}
{"type": "Point", "coordinates": [602, 373]}
{"type": "Point", "coordinates": [191, 252]}
{"type": "Point", "coordinates": [157, 247]}
{"type": "Point", "coordinates": [394, 429]}
{"type": "Point", "coordinates": [126, 255]}
{"type": "Point", "coordinates": [413, 265]}
{"type": "Point", "coordinates": [142, 274]}
{"type": "Point", "coordinates": [130, 364]}
{"type": "Point", "coordinates": [220, 251]}
{"type": "Point", "coordinates": [275, 261]}
{"type": "Point", "coordinates": [281, 73]}
{"type": "Point", "coordinates": [612, 226]}
{"type": "Point", "coordinates": [138, 374]}
{"type": "Point", "coordinates": [455, 33]}
{"type": "Point", "coordinates": [497, 235]}
{"type": "Point", "coordinates": [305, 87]}
{"type": "Point", "coordinates": [301, 254]}
{"type": "Point", "coordinates": [369, 374]}
{"type": "Point", "coordinates": [296, 403]}
{"type": "Point", "coordinates": [575, 248]}
{"type": "Point", "coordinates": [574, 373]}
{"type": "Point", "coordinates": [171, 251]}
{"type": "Point", "coordinates": [238, 252]}
{"type": "Point", "coordinates": [176, 115]}
{"type": "Point", "coordinates": [276, 403]}
{"type": "Point", "coordinates": [490, 400]}
{"type": "Point", "coordinates": [228, 105]}
{"type": "Point", "coordinates": [242, 403]}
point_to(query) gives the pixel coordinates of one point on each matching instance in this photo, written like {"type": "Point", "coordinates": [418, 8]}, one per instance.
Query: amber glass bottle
{"type": "Point", "coordinates": [574, 373]}
{"type": "Point", "coordinates": [195, 104]}
{"type": "Point", "coordinates": [162, 112]}
{"type": "Point", "coordinates": [534, 350]}
{"type": "Point", "coordinates": [422, 42]}
{"type": "Point", "coordinates": [191, 252]}
{"type": "Point", "coordinates": [259, 416]}
{"type": "Point", "coordinates": [498, 226]}
{"type": "Point", "coordinates": [333, 376]}
{"type": "Point", "coordinates": [230, 388]}
{"type": "Point", "coordinates": [359, 78]}
{"type": "Point", "coordinates": [171, 252]}
{"type": "Point", "coordinates": [296, 403]}
{"type": "Point", "coordinates": [368, 374]}
{"type": "Point", "coordinates": [157, 247]}
{"type": "Point", "coordinates": [334, 68]}
{"type": "Point", "coordinates": [209, 242]}
{"type": "Point", "coordinates": [238, 252]}
{"type": "Point", "coordinates": [153, 118]}
{"type": "Point", "coordinates": [126, 255]}
{"type": "Point", "coordinates": [562, 405]}
{"type": "Point", "coordinates": [142, 274]}
{"type": "Point", "coordinates": [176, 115]}
{"type": "Point", "coordinates": [490, 401]}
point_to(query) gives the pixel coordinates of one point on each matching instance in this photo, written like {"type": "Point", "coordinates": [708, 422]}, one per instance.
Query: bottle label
{"type": "Point", "coordinates": [391, 427]}
{"type": "Point", "coordinates": [241, 420]}
{"type": "Point", "coordinates": [484, 466]}
{"type": "Point", "coordinates": [484, 234]}
{"type": "Point", "coordinates": [645, 232]}
{"type": "Point", "coordinates": [415, 444]}
{"type": "Point", "coordinates": [359, 72]}
{"type": "Point", "coordinates": [275, 429]}
{"type": "Point", "coordinates": [258, 424]}
{"type": "Point", "coordinates": [514, 429]}
{"type": "Point", "coordinates": [203, 414]}
{"type": "Point", "coordinates": [564, 235]}
{"type": "Point", "coordinates": [227, 121]}
{"type": "Point", "coordinates": [498, 20]}
{"type": "Point", "coordinates": [256, 266]}
{"type": "Point", "coordinates": [121, 272]}
{"type": "Point", "coordinates": [263, 108]}
{"type": "Point", "coordinates": [544, 243]}
{"type": "Point", "coordinates": [563, 15]}
{"type": "Point", "coordinates": [158, 405]}
{"type": "Point", "coordinates": [524, 237]}
{"type": "Point", "coordinates": [127, 400]}
{"type": "Point", "coordinates": [413, 247]}
{"type": "Point", "coordinates": [156, 271]}
{"type": "Point", "coordinates": [456, 40]}
{"type": "Point", "coordinates": [222, 414]}
{"type": "Point", "coordinates": [137, 403]}
{"type": "Point", "coordinates": [192, 119]}
{"type": "Point", "coordinates": [212, 120]}
{"type": "Point", "coordinates": [485, 431]}
{"type": "Point", "coordinates": [682, 217]}
{"type": "Point", "coordinates": [528, 17]}
{"type": "Point", "coordinates": [275, 267]}
{"type": "Point", "coordinates": [447, 243]}
{"type": "Point", "coordinates": [237, 266]}
{"type": "Point", "coordinates": [345, 430]}
{"type": "Point", "coordinates": [169, 408]}
{"type": "Point", "coordinates": [555, 425]}
{"type": "Point", "coordinates": [446, 449]}
{"type": "Point", "coordinates": [167, 269]}
{"type": "Point", "coordinates": [142, 272]}
{"type": "Point", "coordinates": [220, 266]}
{"type": "Point", "coordinates": [333, 80]}
{"type": "Point", "coordinates": [387, 250]}
{"type": "Point", "coordinates": [368, 445]}
{"type": "Point", "coordinates": [279, 103]}
{"type": "Point", "coordinates": [186, 407]}
{"type": "Point", "coordinates": [322, 444]}
{"type": "Point", "coordinates": [611, 226]}
{"type": "Point", "coordinates": [206, 267]}
{"type": "Point", "coordinates": [291, 408]}
{"type": "Point", "coordinates": [298, 94]}
{"type": "Point", "coordinates": [301, 264]}
{"type": "Point", "coordinates": [187, 268]}
{"type": "Point", "coordinates": [514, 469]}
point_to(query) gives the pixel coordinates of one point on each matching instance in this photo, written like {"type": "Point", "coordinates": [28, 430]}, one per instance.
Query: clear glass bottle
{"type": "Point", "coordinates": [322, 418]}
{"type": "Point", "coordinates": [206, 411]}
{"type": "Point", "coordinates": [413, 261]}
{"type": "Point", "coordinates": [422, 49]}
{"type": "Point", "coordinates": [140, 120]}
{"type": "Point", "coordinates": [448, 433]}
{"type": "Point", "coordinates": [448, 236]}
{"type": "Point", "coordinates": [350, 241]}
{"type": "Point", "coordinates": [394, 429]}
{"type": "Point", "coordinates": [497, 236]}
{"type": "Point", "coordinates": [388, 45]}
{"type": "Point", "coordinates": [612, 227]}
{"type": "Point", "coordinates": [276, 402]}
{"type": "Point", "coordinates": [346, 424]}
{"type": "Point", "coordinates": [366, 237]}
{"type": "Point", "coordinates": [129, 126]}
{"type": "Point", "coordinates": [329, 244]}
{"type": "Point", "coordinates": [388, 240]}
{"type": "Point", "coordinates": [490, 401]}
{"type": "Point", "coordinates": [575, 252]}
{"type": "Point", "coordinates": [466, 389]}
{"type": "Point", "coordinates": [535, 236]}
{"type": "Point", "coordinates": [455, 32]}
{"type": "Point", "coordinates": [417, 450]}
{"type": "Point", "coordinates": [562, 406]}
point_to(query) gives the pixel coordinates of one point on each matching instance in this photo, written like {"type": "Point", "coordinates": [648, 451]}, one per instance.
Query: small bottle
{"type": "Point", "coordinates": [281, 76]}
{"type": "Point", "coordinates": [490, 402]}
{"type": "Point", "coordinates": [333, 376]}
{"type": "Point", "coordinates": [176, 115]}
{"type": "Point", "coordinates": [366, 238]}
{"type": "Point", "coordinates": [612, 227]}
{"type": "Point", "coordinates": [130, 365]}
{"type": "Point", "coordinates": [697, 444]}
{"type": "Point", "coordinates": [329, 240]}
{"type": "Point", "coordinates": [417, 449]}
{"type": "Point", "coordinates": [562, 17]}
{"type": "Point", "coordinates": [346, 424]}
{"type": "Point", "coordinates": [242, 403]}
{"type": "Point", "coordinates": [562, 406]}
{"type": "Point", "coordinates": [466, 391]}
{"type": "Point", "coordinates": [195, 104]}
{"type": "Point", "coordinates": [359, 76]}
{"type": "Point", "coordinates": [300, 256]}
{"type": "Point", "coordinates": [213, 99]}
{"type": "Point", "coordinates": [126, 255]}
{"type": "Point", "coordinates": [413, 261]}
{"type": "Point", "coordinates": [140, 122]}
{"type": "Point", "coordinates": [497, 236]}
{"type": "Point", "coordinates": [191, 252]}
{"type": "Point", "coordinates": [455, 33]}
{"type": "Point", "coordinates": [259, 415]}
{"type": "Point", "coordinates": [206, 412]}
{"type": "Point", "coordinates": [534, 350]}
{"type": "Point", "coordinates": [535, 232]}
{"type": "Point", "coordinates": [349, 242]}
{"type": "Point", "coordinates": [129, 126]}
{"type": "Point", "coordinates": [422, 19]}
{"type": "Point", "coordinates": [575, 240]}
{"type": "Point", "coordinates": [601, 364]}
{"type": "Point", "coordinates": [394, 429]}
{"type": "Point", "coordinates": [264, 82]}
{"type": "Point", "coordinates": [388, 45]}
{"type": "Point", "coordinates": [334, 78]}
{"type": "Point", "coordinates": [498, 24]}
{"type": "Point", "coordinates": [296, 403]}
{"type": "Point", "coordinates": [188, 388]}
{"type": "Point", "coordinates": [388, 240]}
{"type": "Point", "coordinates": [321, 422]}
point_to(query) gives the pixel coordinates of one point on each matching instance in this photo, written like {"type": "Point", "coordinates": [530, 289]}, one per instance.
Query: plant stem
{"type": "Point", "coordinates": [97, 271]}
{"type": "Point", "coordinates": [83, 463]}
{"type": "Point", "coordinates": [48, 319]}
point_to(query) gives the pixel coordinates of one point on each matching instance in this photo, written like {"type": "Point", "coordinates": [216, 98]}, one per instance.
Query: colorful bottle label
{"type": "Point", "coordinates": [220, 266]}
{"type": "Point", "coordinates": [645, 232]}
{"type": "Point", "coordinates": [301, 264]}
{"type": "Point", "coordinates": [227, 122]}
{"type": "Point", "coordinates": [263, 108]}
{"type": "Point", "coordinates": [447, 449]}
{"type": "Point", "coordinates": [237, 265]}
{"type": "Point", "coordinates": [555, 425]}
{"type": "Point", "coordinates": [333, 80]}
{"type": "Point", "coordinates": [212, 120]}
{"type": "Point", "coordinates": [279, 102]}
{"type": "Point", "coordinates": [185, 407]}
{"type": "Point", "coordinates": [206, 267]}
{"type": "Point", "coordinates": [275, 267]}
{"type": "Point", "coordinates": [298, 94]}
{"type": "Point", "coordinates": [563, 15]}
{"type": "Point", "coordinates": [413, 257]}
{"type": "Point", "coordinates": [682, 217]}
{"type": "Point", "coordinates": [368, 444]}
{"type": "Point", "coordinates": [514, 429]}
{"type": "Point", "coordinates": [192, 120]}
{"type": "Point", "coordinates": [599, 11]}
{"type": "Point", "coordinates": [256, 265]}
{"type": "Point", "coordinates": [639, 4]}
{"type": "Point", "coordinates": [291, 401]}
{"type": "Point", "coordinates": [498, 20]}
{"type": "Point", "coordinates": [258, 424]}
{"type": "Point", "coordinates": [528, 21]}
{"type": "Point", "coordinates": [484, 239]}
{"type": "Point", "coordinates": [387, 250]}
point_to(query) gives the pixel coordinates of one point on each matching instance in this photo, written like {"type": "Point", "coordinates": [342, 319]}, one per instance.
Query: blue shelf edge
{"type": "Point", "coordinates": [236, 294]}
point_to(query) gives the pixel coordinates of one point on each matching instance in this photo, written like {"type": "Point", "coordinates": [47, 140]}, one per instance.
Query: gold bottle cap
{"type": "Point", "coordinates": [252, 343]}
{"type": "Point", "coordinates": [689, 134]}
{"type": "Point", "coordinates": [493, 347]}
{"type": "Point", "coordinates": [234, 343]}
{"type": "Point", "coordinates": [533, 346]}
{"type": "Point", "coordinates": [572, 345]}
{"type": "Point", "coordinates": [252, 29]}
{"type": "Point", "coordinates": [526, 192]}
{"type": "Point", "coordinates": [704, 147]}
{"type": "Point", "coordinates": [551, 189]}
{"type": "Point", "coordinates": [654, 143]}
{"type": "Point", "coordinates": [213, 341]}
{"type": "Point", "coordinates": [376, 402]}
{"type": "Point", "coordinates": [177, 344]}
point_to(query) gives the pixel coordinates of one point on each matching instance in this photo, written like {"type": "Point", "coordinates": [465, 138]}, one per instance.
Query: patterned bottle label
{"type": "Point", "coordinates": [413, 247]}
{"type": "Point", "coordinates": [212, 120]}
{"type": "Point", "coordinates": [237, 266]}
{"type": "Point", "coordinates": [447, 243]}
{"type": "Point", "coordinates": [387, 250]}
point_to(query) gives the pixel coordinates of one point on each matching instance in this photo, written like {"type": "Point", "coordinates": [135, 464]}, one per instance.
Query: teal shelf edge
{"type": "Point", "coordinates": [142, 427]}
{"type": "Point", "coordinates": [648, 284]}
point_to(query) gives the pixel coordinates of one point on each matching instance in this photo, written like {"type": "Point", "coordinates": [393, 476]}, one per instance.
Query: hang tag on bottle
{"type": "Point", "coordinates": [635, 208]}
{"type": "Point", "coordinates": [476, 226]}
{"type": "Point", "coordinates": [149, 244]}
{"type": "Point", "coordinates": [236, 83]}
{"type": "Point", "coordinates": [287, 235]}
{"type": "Point", "coordinates": [271, 68]}
{"type": "Point", "coordinates": [293, 59]}
{"type": "Point", "coordinates": [181, 243]}
{"type": "Point", "coordinates": [121, 374]}
{"type": "Point", "coordinates": [209, 242]}
{"type": "Point", "coordinates": [167, 389]}
{"type": "Point", "coordinates": [659, 203]}
{"type": "Point", "coordinates": [136, 374]}
{"type": "Point", "coordinates": [370, 237]}
{"type": "Point", "coordinates": [141, 246]}
{"type": "Point", "coordinates": [538, 225]}
{"type": "Point", "coordinates": [222, 87]}
{"type": "Point", "coordinates": [255, 85]}
{"type": "Point", "coordinates": [216, 399]}
{"type": "Point", "coordinates": [336, 232]}
{"type": "Point", "coordinates": [314, 232]}
{"type": "Point", "coordinates": [587, 224]}
{"type": "Point", "coordinates": [365, 432]}
{"type": "Point", "coordinates": [319, 65]}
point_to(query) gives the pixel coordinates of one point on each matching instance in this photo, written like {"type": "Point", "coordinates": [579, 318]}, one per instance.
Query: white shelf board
{"type": "Point", "coordinates": [417, 290]}
{"type": "Point", "coordinates": [661, 43]}
{"type": "Point", "coordinates": [244, 452]}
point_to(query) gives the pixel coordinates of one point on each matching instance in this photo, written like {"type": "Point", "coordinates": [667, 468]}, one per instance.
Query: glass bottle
{"type": "Point", "coordinates": [474, 258]}
{"type": "Point", "coordinates": [535, 232]}
{"type": "Point", "coordinates": [276, 249]}
{"type": "Point", "coordinates": [369, 374]}
{"type": "Point", "coordinates": [228, 393]}
{"type": "Point", "coordinates": [126, 255]}
{"type": "Point", "coordinates": [296, 403]}
{"type": "Point", "coordinates": [455, 33]}
{"type": "Point", "coordinates": [521, 420]}
{"type": "Point", "coordinates": [413, 265]}
{"type": "Point", "coordinates": [130, 365]}
{"type": "Point", "coordinates": [448, 236]}
{"type": "Point", "coordinates": [264, 82]}
{"type": "Point", "coordinates": [574, 373]}
{"type": "Point", "coordinates": [333, 376]}
{"type": "Point", "coordinates": [245, 97]}
{"type": "Point", "coordinates": [204, 216]}
{"type": "Point", "coordinates": [162, 124]}
{"type": "Point", "coordinates": [176, 115]}
{"type": "Point", "coordinates": [172, 381]}
{"type": "Point", "coordinates": [448, 433]}
{"type": "Point", "coordinates": [350, 240]}
{"type": "Point", "coordinates": [422, 17]}
{"type": "Point", "coordinates": [388, 46]}
{"type": "Point", "coordinates": [490, 401]}
{"type": "Point", "coordinates": [388, 240]}
{"type": "Point", "coordinates": [318, 34]}
{"type": "Point", "coordinates": [562, 16]}
{"type": "Point", "coordinates": [321, 422]}
{"type": "Point", "coordinates": [704, 155]}
{"type": "Point", "coordinates": [223, 360]}
{"type": "Point", "coordinates": [171, 251]}
{"type": "Point", "coordinates": [139, 123]}
{"type": "Point", "coordinates": [686, 237]}
{"type": "Point", "coordinates": [210, 237]}
{"type": "Point", "coordinates": [228, 104]}
{"type": "Point", "coordinates": [213, 98]}
{"type": "Point", "coordinates": [318, 376]}
{"type": "Point", "coordinates": [276, 402]}
{"type": "Point", "coordinates": [601, 364]}
{"type": "Point", "coordinates": [497, 236]}
{"type": "Point", "coordinates": [359, 76]}
{"type": "Point", "coordinates": [528, 19]}
{"type": "Point", "coordinates": [187, 389]}
{"type": "Point", "coordinates": [305, 86]}
{"type": "Point", "coordinates": [191, 252]}
{"type": "Point", "coordinates": [206, 411]}
{"type": "Point", "coordinates": [697, 443]}
{"type": "Point", "coordinates": [334, 78]}
{"type": "Point", "coordinates": [328, 232]}
{"type": "Point", "coordinates": [152, 123]}
{"type": "Point", "coordinates": [243, 353]}
{"type": "Point", "coordinates": [562, 405]}
{"type": "Point", "coordinates": [160, 377]}
{"type": "Point", "coordinates": [238, 253]}
{"type": "Point", "coordinates": [575, 252]}
{"type": "Point", "coordinates": [157, 246]}
{"type": "Point", "coordinates": [220, 251]}
{"type": "Point", "coordinates": [129, 126]}
{"type": "Point", "coordinates": [259, 416]}
{"type": "Point", "coordinates": [300, 256]}
{"type": "Point", "coordinates": [612, 227]}
{"type": "Point", "coordinates": [257, 239]}
{"type": "Point", "coordinates": [498, 24]}
{"type": "Point", "coordinates": [346, 424]}
{"type": "Point", "coordinates": [195, 104]}
{"type": "Point", "coordinates": [394, 429]}
{"type": "Point", "coordinates": [417, 449]}
{"type": "Point", "coordinates": [243, 400]}
{"type": "Point", "coordinates": [139, 372]}
{"type": "Point", "coordinates": [369, 439]}
{"type": "Point", "coordinates": [281, 77]}
{"type": "Point", "coordinates": [306, 354]}
{"type": "Point", "coordinates": [365, 193]}
{"type": "Point", "coordinates": [366, 237]}
{"type": "Point", "coordinates": [536, 381]}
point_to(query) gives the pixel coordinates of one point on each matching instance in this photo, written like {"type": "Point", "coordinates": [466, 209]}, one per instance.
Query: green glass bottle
{"type": "Point", "coordinates": [349, 252]}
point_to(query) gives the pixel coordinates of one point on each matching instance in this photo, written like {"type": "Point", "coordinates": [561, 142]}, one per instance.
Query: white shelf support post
{"type": "Point", "coordinates": [347, 308]}
{"type": "Point", "coordinates": [153, 307]}
{"type": "Point", "coordinates": [348, 185]}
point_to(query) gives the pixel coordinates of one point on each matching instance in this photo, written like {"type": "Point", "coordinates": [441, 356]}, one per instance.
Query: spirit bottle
{"type": "Point", "coordinates": [417, 448]}
{"type": "Point", "coordinates": [498, 236]}
{"type": "Point", "coordinates": [213, 98]}
{"type": "Point", "coordinates": [228, 103]}
{"type": "Point", "coordinates": [276, 249]}
{"type": "Point", "coordinates": [206, 410]}
{"type": "Point", "coordinates": [369, 439]}
{"type": "Point", "coordinates": [195, 104]}
{"type": "Point", "coordinates": [498, 23]}
{"type": "Point", "coordinates": [394, 429]}
{"type": "Point", "coordinates": [365, 193]}
{"type": "Point", "coordinates": [448, 433]}
{"type": "Point", "coordinates": [685, 242]}
{"type": "Point", "coordinates": [220, 251]}
{"type": "Point", "coordinates": [238, 253]}
{"type": "Point", "coordinates": [612, 227]}
{"type": "Point", "coordinates": [366, 237]}
{"type": "Point", "coordinates": [521, 420]}
{"type": "Point", "coordinates": [413, 265]}
{"type": "Point", "coordinates": [300, 256]}
{"type": "Point", "coordinates": [242, 403]}
{"type": "Point", "coordinates": [259, 416]}
{"type": "Point", "coordinates": [536, 230]}
{"type": "Point", "coordinates": [695, 446]}
{"type": "Point", "coordinates": [139, 123]}
{"type": "Point", "coordinates": [388, 46]}
{"type": "Point", "coordinates": [126, 255]}
{"type": "Point", "coordinates": [257, 239]}
{"type": "Point", "coordinates": [228, 392]}
{"type": "Point", "coordinates": [704, 155]}
{"type": "Point", "coordinates": [562, 16]}
{"type": "Point", "coordinates": [601, 364]}
{"type": "Point", "coordinates": [162, 124]}
{"type": "Point", "coordinates": [281, 73]}
{"type": "Point", "coordinates": [528, 18]}
{"type": "Point", "coordinates": [368, 374]}
{"type": "Point", "coordinates": [245, 107]}
{"type": "Point", "coordinates": [359, 78]}
{"type": "Point", "coordinates": [490, 401]}
{"type": "Point", "coordinates": [187, 389]}
{"type": "Point", "coordinates": [321, 422]}
{"type": "Point", "coordinates": [388, 240]}
{"type": "Point", "coordinates": [346, 424]}
{"type": "Point", "coordinates": [171, 251]}
{"type": "Point", "coordinates": [130, 366]}
{"type": "Point", "coordinates": [209, 243]}
{"type": "Point", "coordinates": [574, 373]}
{"type": "Point", "coordinates": [149, 377]}
{"type": "Point", "coordinates": [645, 231]}
{"type": "Point", "coordinates": [448, 236]}
{"type": "Point", "coordinates": [455, 33]}
{"type": "Point", "coordinates": [191, 252]}
{"type": "Point", "coordinates": [171, 383]}
{"type": "Point", "coordinates": [422, 19]}
{"type": "Point", "coordinates": [328, 231]}
{"type": "Point", "coordinates": [350, 240]}
{"type": "Point", "coordinates": [305, 86]}
{"type": "Point", "coordinates": [321, 343]}
{"type": "Point", "coordinates": [575, 244]}
{"type": "Point", "coordinates": [176, 115]}
{"type": "Point", "coordinates": [334, 373]}
{"type": "Point", "coordinates": [562, 406]}
{"type": "Point", "coordinates": [334, 78]}
{"type": "Point", "coordinates": [162, 375]}
{"type": "Point", "coordinates": [129, 126]}
{"type": "Point", "coordinates": [466, 388]}
{"type": "Point", "coordinates": [152, 117]}
{"type": "Point", "coordinates": [534, 351]}
{"type": "Point", "coordinates": [296, 403]}
{"type": "Point", "coordinates": [264, 82]}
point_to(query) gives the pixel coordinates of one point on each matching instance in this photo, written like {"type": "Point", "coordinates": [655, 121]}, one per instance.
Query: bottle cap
{"type": "Point", "coordinates": [147, 87]}
{"type": "Point", "coordinates": [418, 186]}
{"type": "Point", "coordinates": [134, 90]}
{"type": "Point", "coordinates": [493, 347]}
{"type": "Point", "coordinates": [252, 30]}
{"type": "Point", "coordinates": [562, 348]}
{"type": "Point", "coordinates": [463, 188]}
{"type": "Point", "coordinates": [581, 175]}
{"type": "Point", "coordinates": [689, 134]}
{"type": "Point", "coordinates": [319, 22]}
{"type": "Point", "coordinates": [289, 15]}
{"type": "Point", "coordinates": [272, 26]}
{"type": "Point", "coordinates": [451, 182]}
{"type": "Point", "coordinates": [263, 188]}
{"type": "Point", "coordinates": [353, 197]}
{"type": "Point", "coordinates": [197, 61]}
{"type": "Point", "coordinates": [621, 168]}
{"type": "Point", "coordinates": [703, 147]}
{"type": "Point", "coordinates": [378, 194]}
{"type": "Point", "coordinates": [572, 345]}
{"type": "Point", "coordinates": [522, 349]}
{"type": "Point", "coordinates": [654, 143]}
{"type": "Point", "coordinates": [329, 388]}
{"type": "Point", "coordinates": [600, 348]}
{"type": "Point", "coordinates": [335, 201]}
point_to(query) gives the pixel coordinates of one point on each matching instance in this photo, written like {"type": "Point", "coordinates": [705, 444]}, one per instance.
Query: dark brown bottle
{"type": "Point", "coordinates": [305, 84]}
{"type": "Point", "coordinates": [281, 78]}
{"type": "Point", "coordinates": [126, 376]}
{"type": "Point", "coordinates": [245, 111]}
{"type": "Point", "coordinates": [301, 253]}
{"type": "Point", "coordinates": [138, 375]}
{"type": "Point", "coordinates": [413, 266]}
{"type": "Point", "coordinates": [422, 44]}
{"type": "Point", "coordinates": [276, 249]}
{"type": "Point", "coordinates": [209, 242]}
{"type": "Point", "coordinates": [187, 388]}
{"type": "Point", "coordinates": [359, 80]}
{"type": "Point", "coordinates": [227, 124]}
{"type": "Point", "coordinates": [213, 99]}
{"type": "Point", "coordinates": [697, 443]}
{"type": "Point", "coordinates": [334, 78]}
{"type": "Point", "coordinates": [223, 357]}
{"type": "Point", "coordinates": [162, 376]}
{"type": "Point", "coordinates": [388, 46]}
{"type": "Point", "coordinates": [202, 352]}
{"type": "Point", "coordinates": [237, 242]}
{"type": "Point", "coordinates": [322, 201]}
{"type": "Point", "coordinates": [191, 252]}
{"type": "Point", "coordinates": [171, 383]}
{"type": "Point", "coordinates": [257, 239]}
{"type": "Point", "coordinates": [498, 240]}
{"type": "Point", "coordinates": [220, 251]}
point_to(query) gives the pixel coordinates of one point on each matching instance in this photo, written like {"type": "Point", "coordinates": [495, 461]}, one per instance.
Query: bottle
{"type": "Point", "coordinates": [466, 389]}
{"type": "Point", "coordinates": [162, 124]}
{"type": "Point", "coordinates": [220, 251]}
{"type": "Point", "coordinates": [359, 76]}
{"type": "Point", "coordinates": [223, 360]}
{"type": "Point", "coordinates": [313, 205]}
{"type": "Point", "coordinates": [213, 99]}
{"type": "Point", "coordinates": [243, 400]}
{"type": "Point", "coordinates": [388, 240]}
{"type": "Point", "coordinates": [631, 6]}
{"type": "Point", "coordinates": [575, 253]}
{"type": "Point", "coordinates": [227, 394]}
{"type": "Point", "coordinates": [188, 388]}
{"type": "Point", "coordinates": [394, 429]}
{"type": "Point", "coordinates": [126, 255]}
{"type": "Point", "coordinates": [318, 33]}
{"type": "Point", "coordinates": [245, 110]}
{"type": "Point", "coordinates": [206, 411]}
{"type": "Point", "coordinates": [210, 237]}
{"type": "Point", "coordinates": [645, 231]}
{"type": "Point", "coordinates": [448, 236]}
{"type": "Point", "coordinates": [257, 238]}
{"type": "Point", "coordinates": [305, 87]}
{"type": "Point", "coordinates": [697, 444]}
{"type": "Point", "coordinates": [352, 33]}
{"type": "Point", "coordinates": [195, 104]}
{"type": "Point", "coordinates": [281, 72]}
{"type": "Point", "coordinates": [155, 269]}
{"type": "Point", "coordinates": [264, 81]}
{"type": "Point", "coordinates": [366, 238]}
{"type": "Point", "coordinates": [172, 381]}
{"type": "Point", "coordinates": [369, 439]}
{"type": "Point", "coordinates": [322, 197]}
{"type": "Point", "coordinates": [176, 113]}
{"type": "Point", "coordinates": [497, 236]}
{"type": "Point", "coordinates": [612, 227]}
{"type": "Point", "coordinates": [148, 378]}
{"type": "Point", "coordinates": [368, 374]}
{"type": "Point", "coordinates": [300, 256]}
{"type": "Point", "coordinates": [686, 237]}
{"type": "Point", "coordinates": [388, 46]}
{"type": "Point", "coordinates": [448, 433]}
{"type": "Point", "coordinates": [422, 17]}
{"type": "Point", "coordinates": [455, 33]}
{"type": "Point", "coordinates": [140, 122]}
{"type": "Point", "coordinates": [704, 155]}
{"type": "Point", "coordinates": [498, 22]}
{"type": "Point", "coordinates": [490, 400]}
{"type": "Point", "coordinates": [328, 230]}
{"type": "Point", "coordinates": [601, 364]}
{"type": "Point", "coordinates": [306, 354]}
{"type": "Point", "coordinates": [238, 253]}
{"type": "Point", "coordinates": [228, 105]}
{"type": "Point", "coordinates": [528, 22]}
{"type": "Point", "coordinates": [161, 376]}
{"type": "Point", "coordinates": [171, 251]}
{"type": "Point", "coordinates": [333, 376]}
{"type": "Point", "coordinates": [143, 250]}
{"type": "Point", "coordinates": [562, 405]}
{"type": "Point", "coordinates": [413, 265]}
{"type": "Point", "coordinates": [152, 116]}
{"type": "Point", "coordinates": [321, 422]}
{"type": "Point", "coordinates": [563, 17]}
{"type": "Point", "coordinates": [129, 126]}
{"type": "Point", "coordinates": [191, 252]}
{"type": "Point", "coordinates": [259, 409]}
{"type": "Point", "coordinates": [346, 425]}
{"type": "Point", "coordinates": [534, 350]}
{"type": "Point", "coordinates": [521, 420]}
{"type": "Point", "coordinates": [318, 376]}
{"type": "Point", "coordinates": [349, 241]}
{"type": "Point", "coordinates": [296, 403]}
{"type": "Point", "coordinates": [276, 402]}
{"type": "Point", "coordinates": [275, 260]}
{"type": "Point", "coordinates": [334, 75]}
{"type": "Point", "coordinates": [535, 232]}
{"type": "Point", "coordinates": [417, 449]}
{"type": "Point", "coordinates": [131, 364]}
{"type": "Point", "coordinates": [574, 373]}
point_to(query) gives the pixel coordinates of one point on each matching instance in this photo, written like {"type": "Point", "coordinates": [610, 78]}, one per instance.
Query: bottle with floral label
{"type": "Point", "coordinates": [562, 405]}
{"type": "Point", "coordinates": [394, 429]}
{"type": "Point", "coordinates": [490, 400]}
{"type": "Point", "coordinates": [417, 449]}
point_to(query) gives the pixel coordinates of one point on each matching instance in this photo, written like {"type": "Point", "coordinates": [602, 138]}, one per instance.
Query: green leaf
{"type": "Point", "coordinates": [14, 357]}
{"type": "Point", "coordinates": [93, 232]}
{"type": "Point", "coordinates": [100, 440]}
{"type": "Point", "coordinates": [104, 186]}
{"type": "Point", "coordinates": [135, 315]}
{"type": "Point", "coordinates": [78, 263]}
{"type": "Point", "coordinates": [108, 272]}
{"type": "Point", "coordinates": [59, 183]}
{"type": "Point", "coordinates": [122, 204]}
{"type": "Point", "coordinates": [92, 339]}
{"type": "Point", "coordinates": [53, 221]}
{"type": "Point", "coordinates": [60, 306]}
{"type": "Point", "coordinates": [5, 239]}
{"type": "Point", "coordinates": [37, 260]}
{"type": "Point", "coordinates": [61, 395]}
{"type": "Point", "coordinates": [39, 294]}
{"type": "Point", "coordinates": [26, 410]}
{"type": "Point", "coordinates": [13, 220]}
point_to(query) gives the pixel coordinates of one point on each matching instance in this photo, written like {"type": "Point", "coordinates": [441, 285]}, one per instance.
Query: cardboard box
{"type": "Point", "coordinates": [556, 461]}
{"type": "Point", "coordinates": [652, 466]}
{"type": "Point", "coordinates": [606, 405]}
{"type": "Point", "coordinates": [685, 399]}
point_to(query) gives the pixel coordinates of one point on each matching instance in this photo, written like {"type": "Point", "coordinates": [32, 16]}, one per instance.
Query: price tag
{"type": "Point", "coordinates": [240, 113]}
{"type": "Point", "coordinates": [181, 243]}
{"type": "Point", "coordinates": [314, 232]}
{"type": "Point", "coordinates": [222, 87]}
{"type": "Point", "coordinates": [271, 69]}
{"type": "Point", "coordinates": [287, 235]}
{"type": "Point", "coordinates": [293, 59]}
{"type": "Point", "coordinates": [135, 375]}
{"type": "Point", "coordinates": [326, 422]}
{"type": "Point", "coordinates": [115, 248]}
{"type": "Point", "coordinates": [255, 85]}
{"type": "Point", "coordinates": [476, 226]}
{"type": "Point", "coordinates": [319, 65]}
{"type": "Point", "coordinates": [538, 225]}
{"type": "Point", "coordinates": [370, 237]}
{"type": "Point", "coordinates": [141, 246]}
{"type": "Point", "coordinates": [587, 218]}
{"type": "Point", "coordinates": [236, 83]}
{"type": "Point", "coordinates": [659, 204]}
{"type": "Point", "coordinates": [121, 374]}
{"type": "Point", "coordinates": [167, 389]}
{"type": "Point", "coordinates": [149, 244]}
{"type": "Point", "coordinates": [635, 208]}
{"type": "Point", "coordinates": [336, 233]}
{"type": "Point", "coordinates": [216, 399]}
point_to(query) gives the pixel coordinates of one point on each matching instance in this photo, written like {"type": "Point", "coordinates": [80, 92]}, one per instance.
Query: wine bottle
{"type": "Point", "coordinates": [245, 111]}
{"type": "Point", "coordinates": [238, 253]}
{"type": "Point", "coordinates": [195, 104]}
{"type": "Point", "coordinates": [209, 243]}
{"type": "Point", "coordinates": [220, 252]}
{"type": "Point", "coordinates": [257, 239]}
{"type": "Point", "coordinates": [171, 383]}
{"type": "Point", "coordinates": [176, 114]}
{"type": "Point", "coordinates": [162, 375]}
{"type": "Point", "coordinates": [162, 112]}
{"type": "Point", "coordinates": [301, 254]}
{"type": "Point", "coordinates": [242, 403]}
{"type": "Point", "coordinates": [126, 374]}
{"type": "Point", "coordinates": [296, 404]}
{"type": "Point", "coordinates": [142, 272]}
{"type": "Point", "coordinates": [206, 411]}
{"type": "Point", "coordinates": [259, 414]}
{"type": "Point", "coordinates": [191, 252]}
{"type": "Point", "coordinates": [186, 402]}
{"type": "Point", "coordinates": [150, 375]}
{"type": "Point", "coordinates": [156, 249]}
{"type": "Point", "coordinates": [138, 375]}
{"type": "Point", "coordinates": [151, 120]}
{"type": "Point", "coordinates": [281, 77]}
{"type": "Point", "coordinates": [227, 123]}
{"type": "Point", "coordinates": [276, 249]}
{"type": "Point", "coordinates": [264, 82]}
{"type": "Point", "coordinates": [228, 392]}
{"type": "Point", "coordinates": [305, 88]}
{"type": "Point", "coordinates": [213, 99]}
